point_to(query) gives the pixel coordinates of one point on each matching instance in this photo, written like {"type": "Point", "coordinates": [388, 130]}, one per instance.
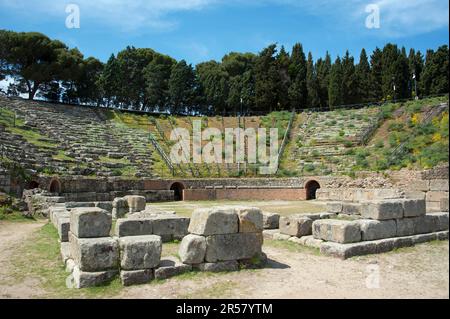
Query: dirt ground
{"type": "Point", "coordinates": [292, 272]}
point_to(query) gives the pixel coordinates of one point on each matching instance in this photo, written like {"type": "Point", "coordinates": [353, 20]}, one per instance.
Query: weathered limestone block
{"type": "Point", "coordinates": [90, 222]}
{"type": "Point", "coordinates": [328, 215]}
{"type": "Point", "coordinates": [405, 227]}
{"type": "Point", "coordinates": [224, 266]}
{"type": "Point", "coordinates": [269, 233]}
{"type": "Point", "coordinates": [414, 208]}
{"type": "Point", "coordinates": [334, 207]}
{"type": "Point", "coordinates": [376, 229]}
{"type": "Point", "coordinates": [120, 208]}
{"type": "Point", "coordinates": [70, 205]}
{"type": "Point", "coordinates": [250, 219]}
{"type": "Point", "coordinates": [309, 241]}
{"type": "Point", "coordinates": [280, 236]}
{"type": "Point", "coordinates": [140, 252]}
{"type": "Point", "coordinates": [70, 265]}
{"type": "Point", "coordinates": [444, 205]}
{"type": "Point", "coordinates": [135, 203]}
{"type": "Point", "coordinates": [296, 225]}
{"type": "Point", "coordinates": [126, 227]}
{"type": "Point", "coordinates": [439, 185]}
{"type": "Point", "coordinates": [170, 267]}
{"type": "Point", "coordinates": [351, 208]}
{"type": "Point", "coordinates": [233, 246]}
{"type": "Point", "coordinates": [338, 231]}
{"type": "Point", "coordinates": [108, 206]}
{"type": "Point", "coordinates": [170, 227]}
{"type": "Point", "coordinates": [63, 229]}
{"type": "Point", "coordinates": [383, 209]}
{"type": "Point", "coordinates": [215, 221]}
{"type": "Point", "coordinates": [94, 254]}
{"type": "Point", "coordinates": [65, 251]}
{"type": "Point", "coordinates": [192, 249]}
{"type": "Point", "coordinates": [436, 196]}
{"type": "Point", "coordinates": [136, 277]}
{"type": "Point", "coordinates": [426, 224]}
{"type": "Point", "coordinates": [271, 220]}
{"type": "Point", "coordinates": [81, 279]}
{"type": "Point", "coordinates": [442, 221]}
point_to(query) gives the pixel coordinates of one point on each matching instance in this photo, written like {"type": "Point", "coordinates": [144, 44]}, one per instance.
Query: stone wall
{"type": "Point", "coordinates": [260, 194]}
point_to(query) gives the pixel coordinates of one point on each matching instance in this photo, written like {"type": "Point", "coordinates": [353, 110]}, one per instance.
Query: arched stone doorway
{"type": "Point", "coordinates": [311, 189]}
{"type": "Point", "coordinates": [177, 188]}
{"type": "Point", "coordinates": [55, 186]}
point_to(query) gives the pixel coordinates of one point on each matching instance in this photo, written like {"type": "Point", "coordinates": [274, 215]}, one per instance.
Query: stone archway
{"type": "Point", "coordinates": [311, 189]}
{"type": "Point", "coordinates": [177, 188]}
{"type": "Point", "coordinates": [55, 186]}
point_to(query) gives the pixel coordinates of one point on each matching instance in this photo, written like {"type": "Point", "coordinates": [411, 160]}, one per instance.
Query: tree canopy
{"type": "Point", "coordinates": [273, 79]}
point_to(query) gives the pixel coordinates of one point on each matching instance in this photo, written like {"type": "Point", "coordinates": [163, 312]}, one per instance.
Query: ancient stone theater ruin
{"type": "Point", "coordinates": [96, 174]}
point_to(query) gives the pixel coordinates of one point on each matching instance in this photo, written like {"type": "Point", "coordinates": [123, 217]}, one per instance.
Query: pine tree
{"type": "Point", "coordinates": [181, 87]}
{"type": "Point", "coordinates": [323, 68]}
{"type": "Point", "coordinates": [349, 81]}
{"type": "Point", "coordinates": [312, 83]}
{"type": "Point", "coordinates": [298, 93]}
{"type": "Point", "coordinates": [283, 61]}
{"type": "Point", "coordinates": [376, 75]}
{"type": "Point", "coordinates": [335, 94]}
{"type": "Point", "coordinates": [266, 80]}
{"type": "Point", "coordinates": [435, 76]}
{"type": "Point", "coordinates": [363, 78]}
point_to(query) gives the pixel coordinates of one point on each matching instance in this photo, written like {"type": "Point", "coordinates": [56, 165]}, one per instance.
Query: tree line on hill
{"type": "Point", "coordinates": [273, 80]}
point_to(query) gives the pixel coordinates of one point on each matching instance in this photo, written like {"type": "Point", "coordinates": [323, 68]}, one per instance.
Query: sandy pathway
{"type": "Point", "coordinates": [12, 235]}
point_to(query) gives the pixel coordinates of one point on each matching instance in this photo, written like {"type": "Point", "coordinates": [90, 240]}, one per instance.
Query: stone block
{"type": "Point", "coordinates": [225, 266]}
{"type": "Point", "coordinates": [310, 241]}
{"type": "Point", "coordinates": [414, 207]}
{"type": "Point", "coordinates": [126, 227]}
{"type": "Point", "coordinates": [424, 238]}
{"type": "Point", "coordinates": [280, 236]}
{"type": "Point", "coordinates": [170, 267]}
{"type": "Point", "coordinates": [405, 227]}
{"type": "Point", "coordinates": [426, 224]}
{"type": "Point", "coordinates": [334, 207]}
{"type": "Point", "coordinates": [269, 233]}
{"type": "Point", "coordinates": [90, 222]}
{"type": "Point", "coordinates": [250, 219]}
{"type": "Point", "coordinates": [215, 221]}
{"type": "Point", "coordinates": [65, 251]}
{"type": "Point", "coordinates": [140, 252]}
{"type": "Point", "coordinates": [136, 277]}
{"type": "Point", "coordinates": [70, 265]}
{"type": "Point", "coordinates": [377, 229]}
{"type": "Point", "coordinates": [94, 254]}
{"type": "Point", "coordinates": [439, 185]}
{"type": "Point", "coordinates": [382, 209]}
{"type": "Point", "coordinates": [71, 205]}
{"type": "Point", "coordinates": [436, 196]}
{"type": "Point", "coordinates": [135, 203]}
{"type": "Point", "coordinates": [120, 208]}
{"type": "Point", "coordinates": [233, 246]}
{"type": "Point", "coordinates": [81, 279]}
{"type": "Point", "coordinates": [442, 235]}
{"type": "Point", "coordinates": [444, 205]}
{"type": "Point", "coordinates": [338, 231]}
{"type": "Point", "coordinates": [63, 229]}
{"type": "Point", "coordinates": [170, 227]}
{"type": "Point", "coordinates": [441, 220]}
{"type": "Point", "coordinates": [192, 249]}
{"type": "Point", "coordinates": [351, 208]}
{"type": "Point", "coordinates": [296, 225]}
{"type": "Point", "coordinates": [108, 206]}
{"type": "Point", "coordinates": [271, 220]}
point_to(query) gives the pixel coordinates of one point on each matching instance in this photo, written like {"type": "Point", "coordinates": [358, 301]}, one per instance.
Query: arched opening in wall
{"type": "Point", "coordinates": [311, 190]}
{"type": "Point", "coordinates": [177, 189]}
{"type": "Point", "coordinates": [32, 185]}
{"type": "Point", "coordinates": [55, 186]}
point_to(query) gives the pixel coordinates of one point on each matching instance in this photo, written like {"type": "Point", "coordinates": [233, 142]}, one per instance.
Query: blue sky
{"type": "Point", "coordinates": [200, 30]}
